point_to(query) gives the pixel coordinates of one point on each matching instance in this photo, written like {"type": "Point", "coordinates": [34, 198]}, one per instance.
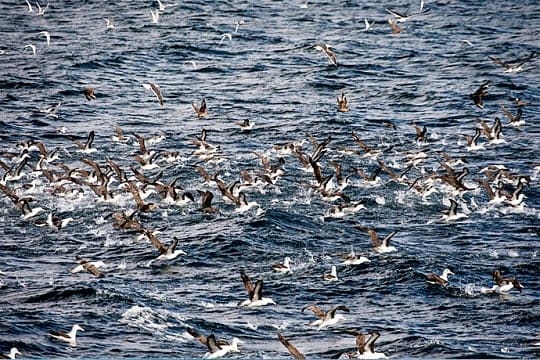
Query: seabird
{"type": "Point", "coordinates": [225, 36]}
{"type": "Point", "coordinates": [119, 137]}
{"type": "Point", "coordinates": [515, 120]}
{"type": "Point", "coordinates": [200, 110]}
{"type": "Point", "coordinates": [439, 280]}
{"type": "Point", "coordinates": [420, 133]}
{"type": "Point", "coordinates": [472, 141]}
{"type": "Point", "coordinates": [27, 212]}
{"type": "Point", "coordinates": [67, 337]}
{"type": "Point", "coordinates": [283, 267]}
{"type": "Point", "coordinates": [512, 68]}
{"type": "Point", "coordinates": [156, 90]}
{"type": "Point", "coordinates": [203, 339]}
{"type": "Point", "coordinates": [41, 11]}
{"type": "Point", "coordinates": [477, 96]}
{"type": "Point", "coordinates": [206, 202]}
{"type": "Point", "coordinates": [155, 16]}
{"type": "Point", "coordinates": [380, 246]}
{"type": "Point", "coordinates": [110, 23]}
{"type": "Point", "coordinates": [167, 252]}
{"type": "Point", "coordinates": [451, 213]}
{"type": "Point", "coordinates": [91, 266]}
{"type": "Point", "coordinates": [245, 125]}
{"type": "Point", "coordinates": [54, 222]}
{"type": "Point", "coordinates": [395, 28]}
{"type": "Point", "coordinates": [237, 25]}
{"type": "Point", "coordinates": [354, 259]}
{"type": "Point", "coordinates": [89, 93]}
{"type": "Point", "coordinates": [343, 105]}
{"type": "Point", "coordinates": [31, 46]}
{"type": "Point", "coordinates": [12, 353]}
{"type": "Point", "coordinates": [332, 275]}
{"type": "Point", "coordinates": [326, 49]}
{"type": "Point", "coordinates": [29, 6]}
{"type": "Point", "coordinates": [216, 351]}
{"type": "Point", "coordinates": [326, 318]}
{"type": "Point", "coordinates": [291, 348]}
{"type": "Point", "coordinates": [254, 293]}
{"type": "Point", "coordinates": [505, 284]}
{"type": "Point", "coordinates": [368, 25]}
{"type": "Point", "coordinates": [87, 147]}
{"type": "Point", "coordinates": [47, 36]}
{"type": "Point", "coordinates": [366, 349]}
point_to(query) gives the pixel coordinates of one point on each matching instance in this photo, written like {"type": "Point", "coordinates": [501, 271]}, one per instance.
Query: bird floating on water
{"type": "Point", "coordinates": [435, 279]}
{"type": "Point", "coordinates": [70, 337]}
{"type": "Point", "coordinates": [254, 293]}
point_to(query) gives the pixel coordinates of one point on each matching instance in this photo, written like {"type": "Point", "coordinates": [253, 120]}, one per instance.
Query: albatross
{"type": "Point", "coordinates": [254, 293]}
{"type": "Point", "coordinates": [70, 337]}
{"type": "Point", "coordinates": [326, 318]}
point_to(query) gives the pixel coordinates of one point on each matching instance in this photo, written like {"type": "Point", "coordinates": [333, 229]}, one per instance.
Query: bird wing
{"type": "Point", "coordinates": [247, 283]}
{"type": "Point", "coordinates": [292, 349]}
{"type": "Point", "coordinates": [386, 240]}
{"type": "Point", "coordinates": [316, 310]}
{"type": "Point", "coordinates": [369, 345]}
{"type": "Point", "coordinates": [374, 238]}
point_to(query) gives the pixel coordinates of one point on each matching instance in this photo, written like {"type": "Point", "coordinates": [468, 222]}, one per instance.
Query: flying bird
{"type": "Point", "coordinates": [156, 90]}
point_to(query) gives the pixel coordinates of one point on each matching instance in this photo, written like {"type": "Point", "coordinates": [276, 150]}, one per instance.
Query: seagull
{"type": "Point", "coordinates": [200, 110]}
{"type": "Point", "coordinates": [343, 104]}
{"type": "Point", "coordinates": [89, 93]}
{"type": "Point", "coordinates": [156, 90]}
{"type": "Point", "coordinates": [365, 349]}
{"type": "Point", "coordinates": [439, 280]}
{"type": "Point", "coordinates": [326, 49]}
{"type": "Point", "coordinates": [167, 252]}
{"type": "Point", "coordinates": [254, 293]}
{"type": "Point", "coordinates": [369, 26]}
{"type": "Point", "coordinates": [326, 318]}
{"type": "Point", "coordinates": [67, 337]}
{"type": "Point", "coordinates": [155, 16]}
{"type": "Point", "coordinates": [12, 353]}
{"type": "Point", "coordinates": [477, 96]}
{"type": "Point", "coordinates": [292, 349]}
{"type": "Point", "coordinates": [505, 284]}
{"type": "Point", "coordinates": [110, 24]}
{"type": "Point", "coordinates": [47, 36]}
{"type": "Point", "coordinates": [91, 266]}
{"type": "Point", "coordinates": [33, 47]}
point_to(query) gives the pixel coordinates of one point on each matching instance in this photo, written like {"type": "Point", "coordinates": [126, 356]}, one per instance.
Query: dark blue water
{"type": "Point", "coordinates": [270, 74]}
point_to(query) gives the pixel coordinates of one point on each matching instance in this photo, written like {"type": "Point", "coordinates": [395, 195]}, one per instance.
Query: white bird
{"type": "Point", "coordinates": [353, 259]}
{"type": "Point", "coordinates": [284, 267]}
{"type": "Point", "coordinates": [47, 35]}
{"type": "Point", "coordinates": [161, 6]}
{"type": "Point", "coordinates": [216, 351]}
{"type": "Point", "coordinates": [31, 47]}
{"type": "Point", "coordinates": [29, 6]}
{"type": "Point", "coordinates": [110, 24]}
{"type": "Point", "coordinates": [70, 337]}
{"type": "Point", "coordinates": [237, 25]}
{"type": "Point", "coordinates": [41, 11]}
{"type": "Point", "coordinates": [155, 16]}
{"type": "Point", "coordinates": [368, 25]}
{"type": "Point", "coordinates": [226, 35]}
{"type": "Point", "coordinates": [12, 353]}
{"type": "Point", "coordinates": [326, 318]}
{"type": "Point", "coordinates": [332, 275]}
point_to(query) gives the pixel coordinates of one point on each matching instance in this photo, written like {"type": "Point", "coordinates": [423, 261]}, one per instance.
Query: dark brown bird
{"type": "Point", "coordinates": [478, 95]}
{"type": "Point", "coordinates": [506, 284]}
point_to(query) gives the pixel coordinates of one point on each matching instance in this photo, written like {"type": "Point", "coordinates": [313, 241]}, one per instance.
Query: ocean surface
{"type": "Point", "coordinates": [266, 70]}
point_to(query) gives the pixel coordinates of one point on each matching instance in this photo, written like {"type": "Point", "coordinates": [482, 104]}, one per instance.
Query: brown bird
{"type": "Point", "coordinates": [90, 266]}
{"type": "Point", "coordinates": [200, 110]}
{"type": "Point", "coordinates": [477, 96]}
{"type": "Point", "coordinates": [343, 105]}
{"type": "Point", "coordinates": [89, 93]}
{"type": "Point", "coordinates": [206, 202]}
{"type": "Point", "coordinates": [292, 349]}
{"type": "Point", "coordinates": [394, 26]}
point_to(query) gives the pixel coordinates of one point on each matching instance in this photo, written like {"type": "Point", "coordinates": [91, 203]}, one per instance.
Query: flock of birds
{"type": "Point", "coordinates": [133, 190]}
